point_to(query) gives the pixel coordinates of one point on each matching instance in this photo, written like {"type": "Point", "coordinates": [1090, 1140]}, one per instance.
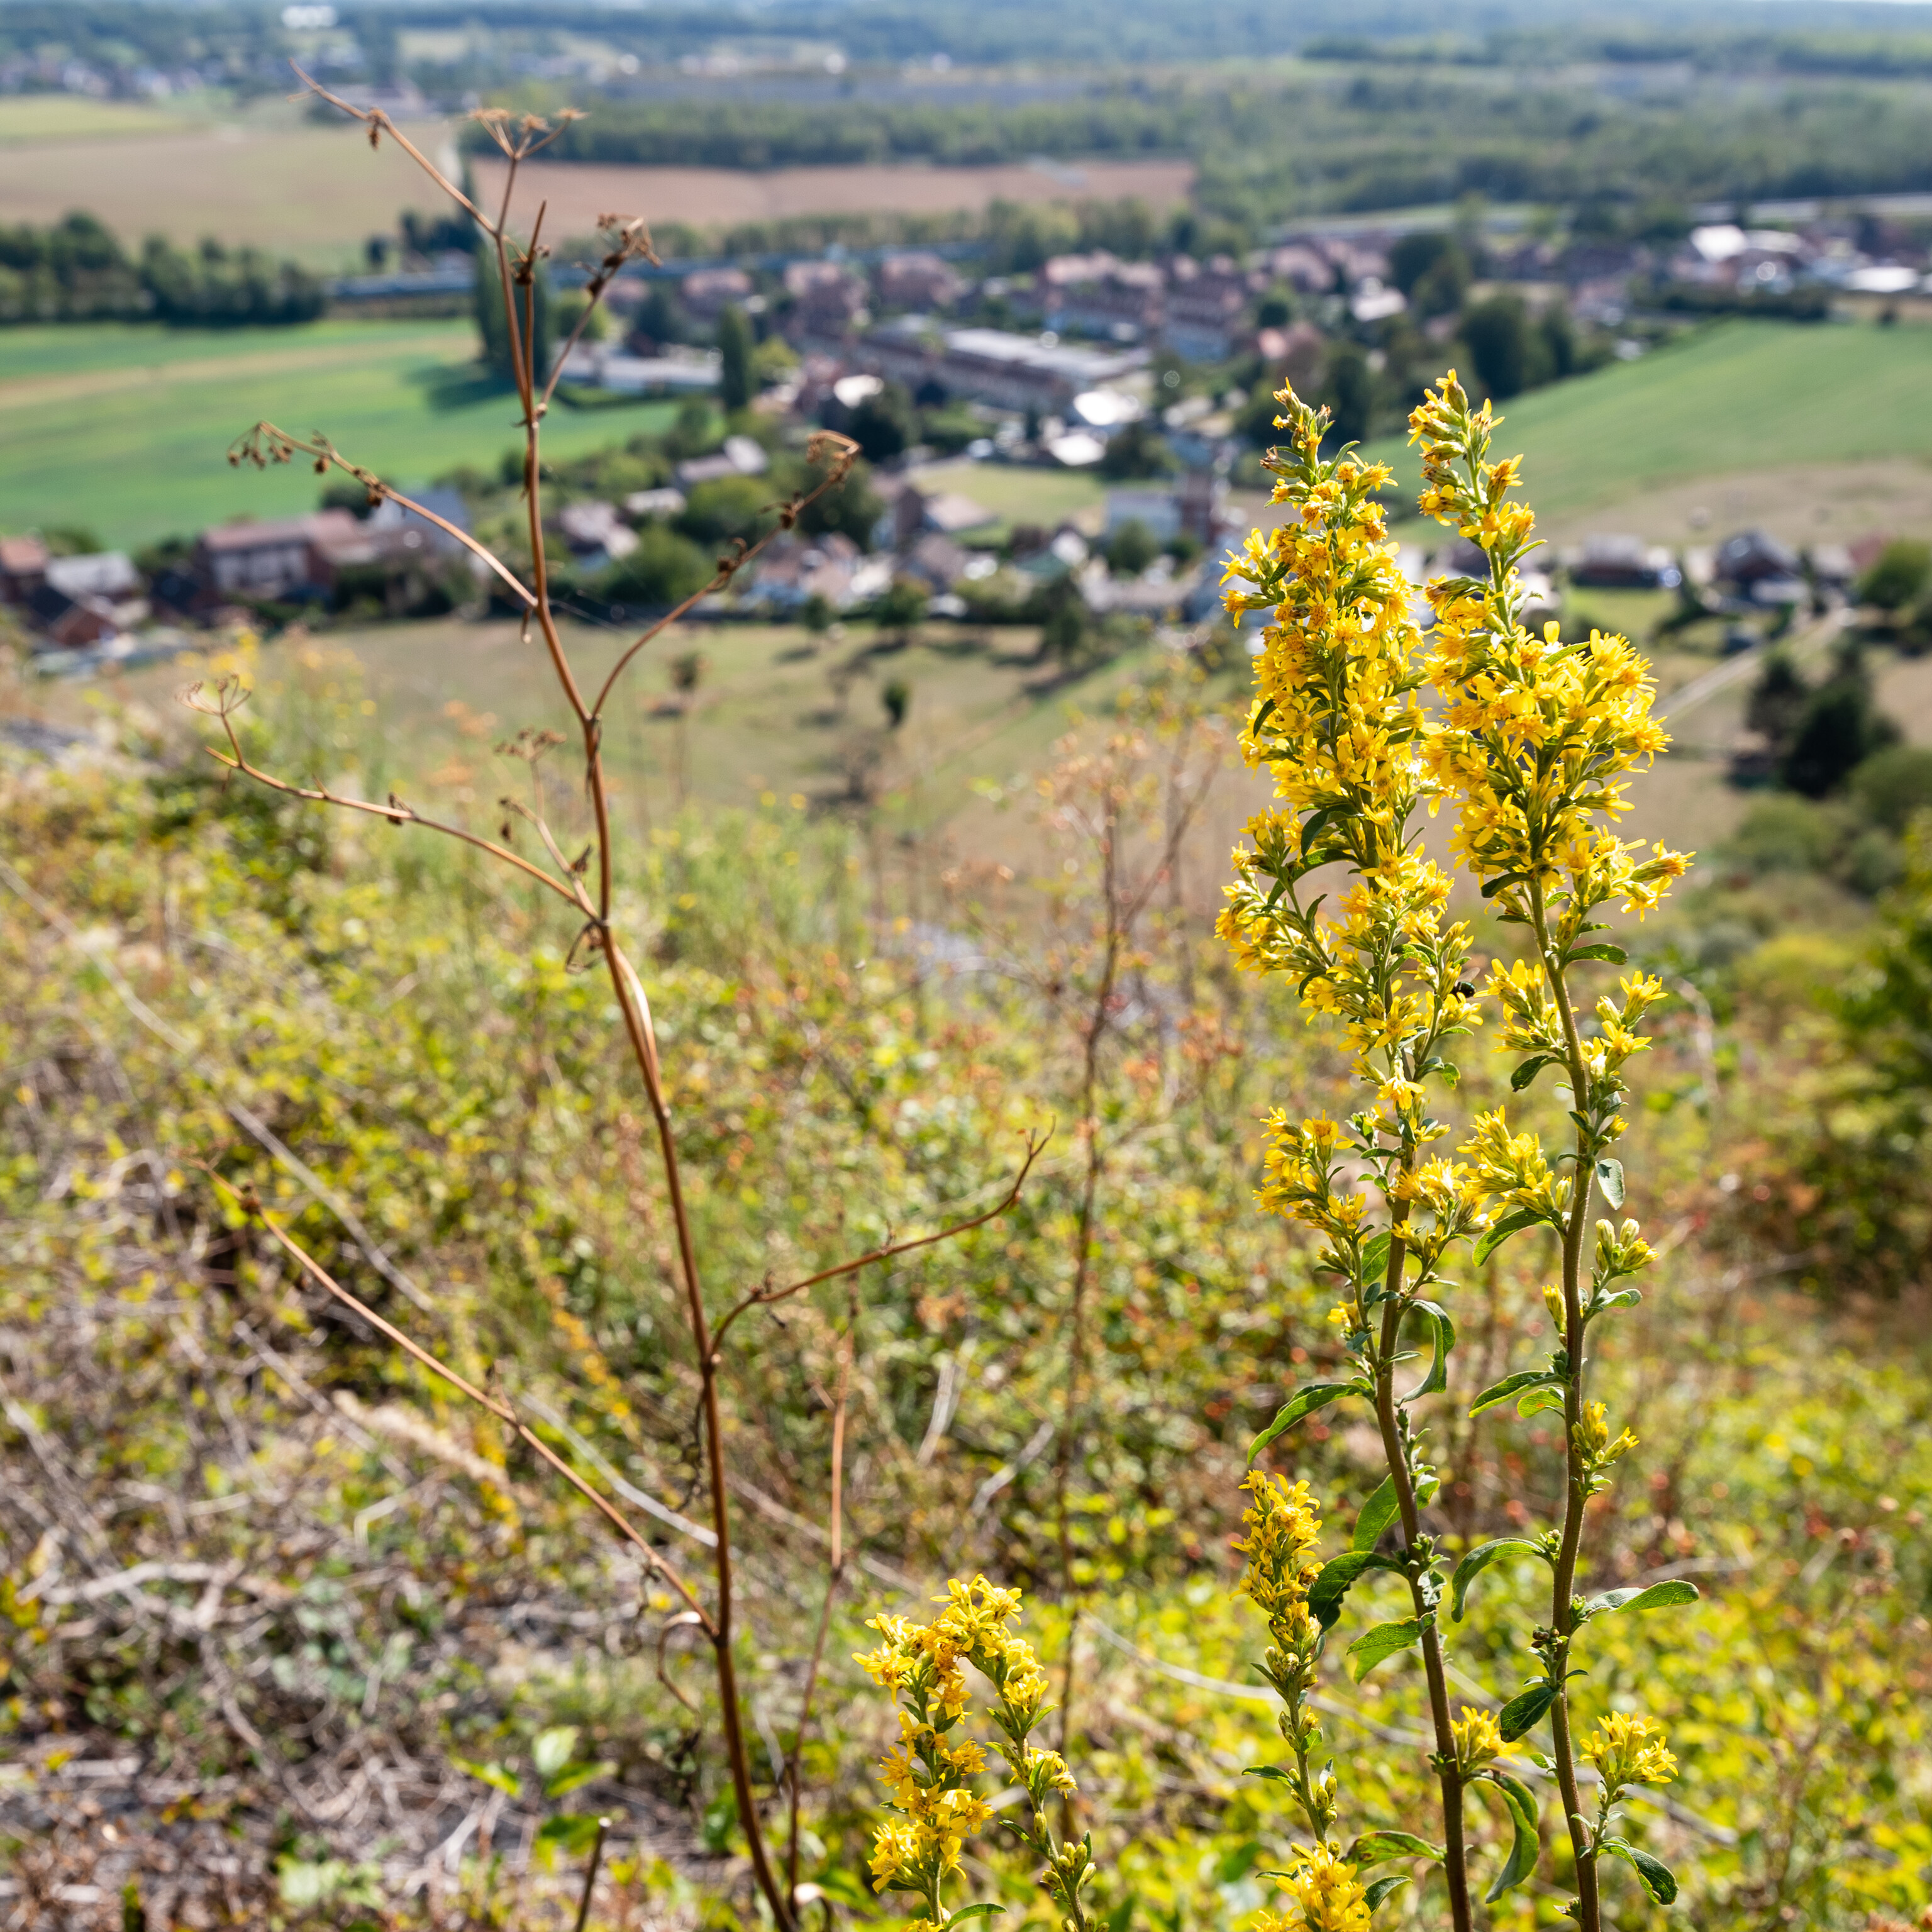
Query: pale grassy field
{"type": "Point", "coordinates": [578, 193]}
{"type": "Point", "coordinates": [1749, 422]}
{"type": "Point", "coordinates": [314, 191]}
{"type": "Point", "coordinates": [310, 191]}
{"type": "Point", "coordinates": [28, 118]}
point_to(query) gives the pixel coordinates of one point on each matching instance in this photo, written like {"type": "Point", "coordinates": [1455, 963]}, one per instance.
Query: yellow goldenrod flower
{"type": "Point", "coordinates": [929, 1774]}
{"type": "Point", "coordinates": [1328, 1896]}
{"type": "Point", "coordinates": [1591, 1435]}
{"type": "Point", "coordinates": [1513, 1167]}
{"type": "Point", "coordinates": [1282, 1528]}
{"type": "Point", "coordinates": [1540, 733]}
{"type": "Point", "coordinates": [1479, 1742]}
{"type": "Point", "coordinates": [1629, 1750]}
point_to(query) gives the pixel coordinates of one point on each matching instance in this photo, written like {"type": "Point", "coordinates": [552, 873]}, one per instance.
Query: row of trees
{"type": "Point", "coordinates": [77, 270]}
{"type": "Point", "coordinates": [1264, 145]}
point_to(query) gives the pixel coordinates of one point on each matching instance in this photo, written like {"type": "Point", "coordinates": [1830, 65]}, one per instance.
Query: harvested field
{"type": "Point", "coordinates": [310, 192]}
{"type": "Point", "coordinates": [315, 192]}
{"type": "Point", "coordinates": [706, 197]}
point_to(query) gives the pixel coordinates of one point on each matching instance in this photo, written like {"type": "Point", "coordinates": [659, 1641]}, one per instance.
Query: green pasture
{"type": "Point", "coordinates": [1017, 495]}
{"type": "Point", "coordinates": [1737, 397]}
{"type": "Point", "coordinates": [124, 430]}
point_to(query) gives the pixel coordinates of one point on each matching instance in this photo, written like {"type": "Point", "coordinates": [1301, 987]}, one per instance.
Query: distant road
{"type": "Point", "coordinates": [1734, 670]}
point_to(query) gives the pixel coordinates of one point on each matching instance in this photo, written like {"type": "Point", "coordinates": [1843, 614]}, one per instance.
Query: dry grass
{"type": "Point", "coordinates": [310, 192]}
{"type": "Point", "coordinates": [707, 197]}
{"type": "Point", "coordinates": [315, 192]}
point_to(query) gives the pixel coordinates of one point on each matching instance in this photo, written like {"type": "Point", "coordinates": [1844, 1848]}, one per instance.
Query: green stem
{"type": "Point", "coordinates": [1576, 1492]}
{"type": "Point", "coordinates": [1455, 1865]}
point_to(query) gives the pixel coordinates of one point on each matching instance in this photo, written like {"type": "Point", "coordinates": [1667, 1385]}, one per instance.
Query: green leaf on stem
{"type": "Point", "coordinates": [984, 1909]}
{"type": "Point", "coordinates": [1378, 1513]}
{"type": "Point", "coordinates": [1375, 1257]}
{"type": "Point", "coordinates": [1614, 955]}
{"type": "Point", "coordinates": [573, 1833]}
{"type": "Point", "coordinates": [1656, 1597]}
{"type": "Point", "coordinates": [1303, 1402]}
{"type": "Point", "coordinates": [1658, 1878]}
{"type": "Point", "coordinates": [1442, 1333]}
{"type": "Point", "coordinates": [1478, 1560]}
{"type": "Point", "coordinates": [1525, 1711]}
{"type": "Point", "coordinates": [1529, 1070]}
{"type": "Point", "coordinates": [1336, 1578]}
{"type": "Point", "coordinates": [571, 1776]}
{"type": "Point", "coordinates": [1538, 1400]}
{"type": "Point", "coordinates": [492, 1775]}
{"type": "Point", "coordinates": [1376, 1646]}
{"type": "Point", "coordinates": [1373, 1895]}
{"type": "Point", "coordinates": [1500, 1392]}
{"type": "Point", "coordinates": [1526, 1847]}
{"type": "Point", "coordinates": [1372, 1847]}
{"type": "Point", "coordinates": [1510, 1224]}
{"type": "Point", "coordinates": [1610, 1179]}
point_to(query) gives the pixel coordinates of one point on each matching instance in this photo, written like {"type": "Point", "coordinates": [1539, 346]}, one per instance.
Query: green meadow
{"type": "Point", "coordinates": [124, 430]}
{"type": "Point", "coordinates": [1737, 398]}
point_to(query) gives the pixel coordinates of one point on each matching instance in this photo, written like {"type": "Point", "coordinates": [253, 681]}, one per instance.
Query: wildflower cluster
{"type": "Point", "coordinates": [1533, 740]}
{"type": "Point", "coordinates": [1540, 733]}
{"type": "Point", "coordinates": [1629, 1750]}
{"type": "Point", "coordinates": [1479, 1742]}
{"type": "Point", "coordinates": [929, 1774]}
{"type": "Point", "coordinates": [1283, 1529]}
{"type": "Point", "coordinates": [1327, 1895]}
{"type": "Point", "coordinates": [1539, 740]}
{"type": "Point", "coordinates": [1338, 723]}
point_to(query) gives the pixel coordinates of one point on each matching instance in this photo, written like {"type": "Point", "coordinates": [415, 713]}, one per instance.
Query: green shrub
{"type": "Point", "coordinates": [1901, 571]}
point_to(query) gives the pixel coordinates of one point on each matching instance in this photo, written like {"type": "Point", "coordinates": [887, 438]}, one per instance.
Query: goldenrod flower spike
{"type": "Point", "coordinates": [1337, 723]}
{"type": "Point", "coordinates": [1540, 738]}
{"type": "Point", "coordinates": [1328, 1897]}
{"type": "Point", "coordinates": [928, 1774]}
{"type": "Point", "coordinates": [1628, 1751]}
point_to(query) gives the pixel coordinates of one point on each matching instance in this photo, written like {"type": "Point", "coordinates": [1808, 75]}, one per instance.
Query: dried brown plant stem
{"type": "Point", "coordinates": [763, 1298]}
{"type": "Point", "coordinates": [516, 271]}
{"type": "Point", "coordinates": [590, 1876]}
{"type": "Point", "coordinates": [1576, 1486]}
{"type": "Point", "coordinates": [244, 1198]}
{"type": "Point", "coordinates": [834, 1572]}
{"type": "Point", "coordinates": [1072, 1418]}
{"type": "Point", "coordinates": [1123, 910]}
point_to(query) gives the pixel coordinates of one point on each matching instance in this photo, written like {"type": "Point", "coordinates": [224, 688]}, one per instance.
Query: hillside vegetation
{"type": "Point", "coordinates": [196, 976]}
